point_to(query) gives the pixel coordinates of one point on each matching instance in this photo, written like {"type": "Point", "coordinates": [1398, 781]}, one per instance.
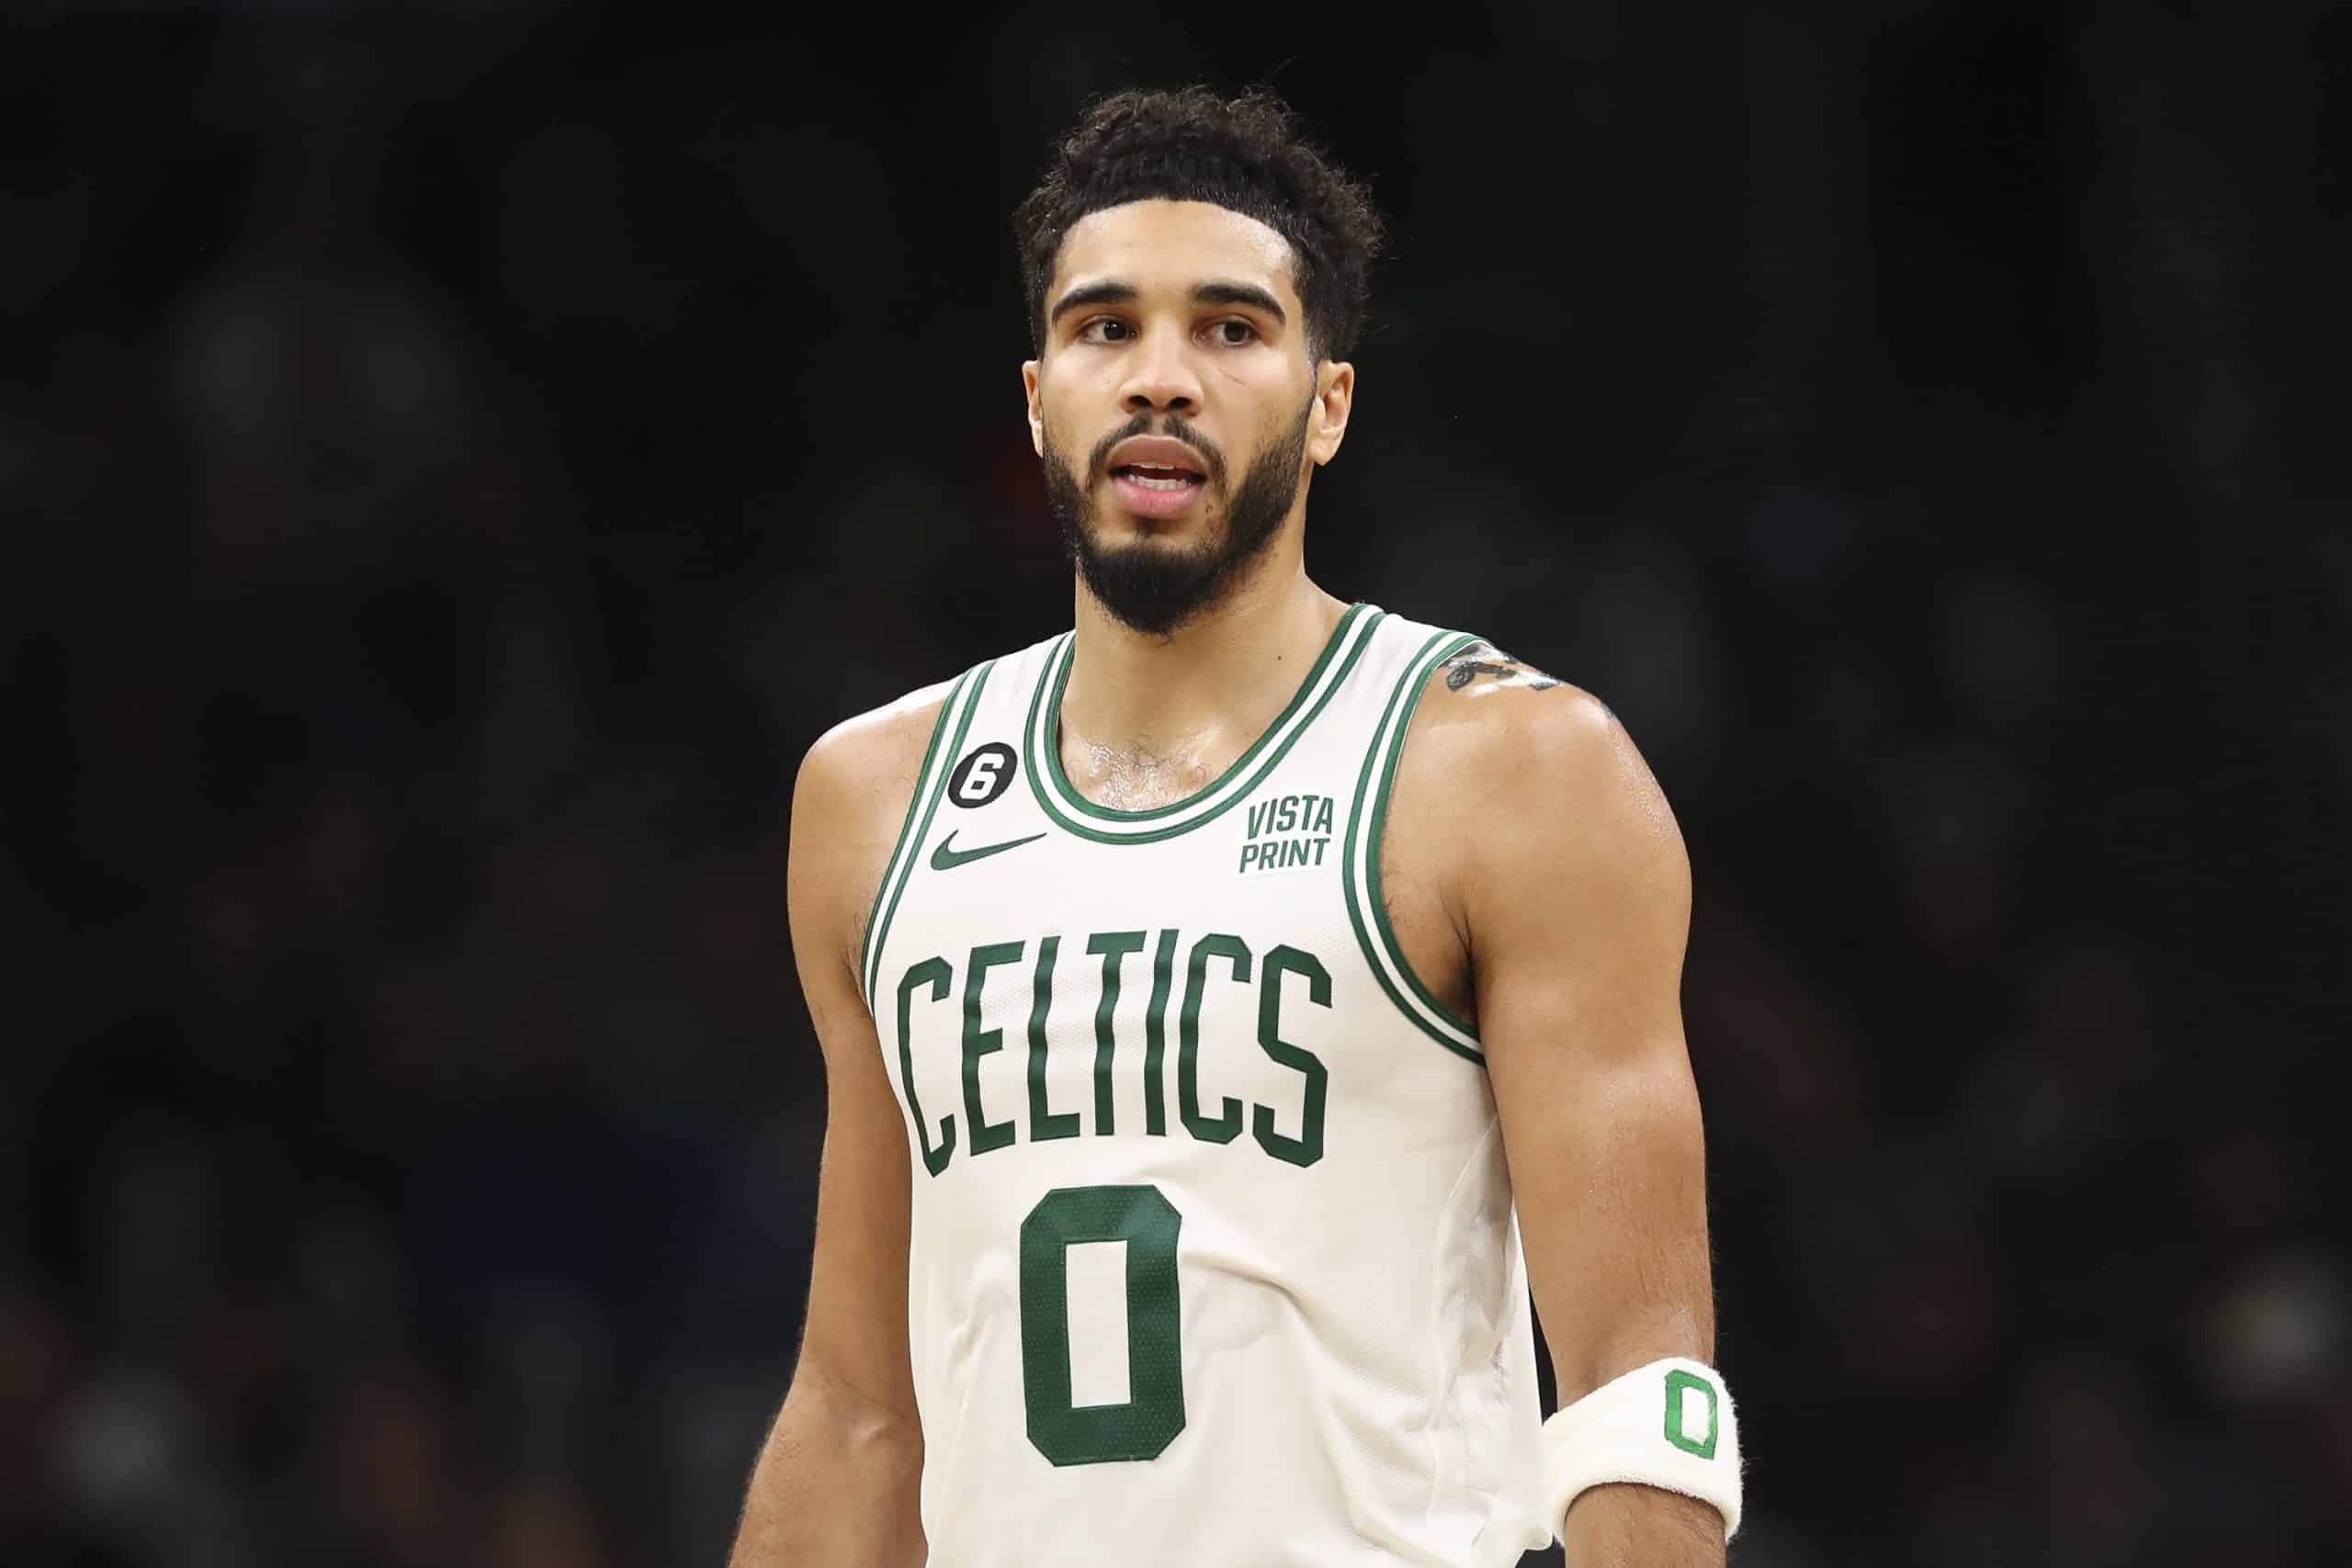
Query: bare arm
{"type": "Point", "coordinates": [1572, 894]}
{"type": "Point", "coordinates": [837, 1482]}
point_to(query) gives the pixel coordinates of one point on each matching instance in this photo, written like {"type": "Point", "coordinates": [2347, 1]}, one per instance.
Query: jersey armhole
{"type": "Point", "coordinates": [929, 783]}
{"type": "Point", "coordinates": [1360, 870]}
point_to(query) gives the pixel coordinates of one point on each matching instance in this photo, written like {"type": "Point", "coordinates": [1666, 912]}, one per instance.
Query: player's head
{"type": "Point", "coordinates": [1195, 277]}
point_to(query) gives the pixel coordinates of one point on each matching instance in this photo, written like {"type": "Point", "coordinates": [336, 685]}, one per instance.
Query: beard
{"type": "Point", "coordinates": [1153, 587]}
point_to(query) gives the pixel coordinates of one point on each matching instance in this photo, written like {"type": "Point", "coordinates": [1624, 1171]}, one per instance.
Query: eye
{"type": "Point", "coordinates": [1105, 329]}
{"type": "Point", "coordinates": [1235, 332]}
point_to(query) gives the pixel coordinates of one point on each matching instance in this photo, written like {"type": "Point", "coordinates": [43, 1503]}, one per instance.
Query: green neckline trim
{"type": "Point", "coordinates": [1047, 779]}
{"type": "Point", "coordinates": [930, 784]}
{"type": "Point", "coordinates": [1387, 748]}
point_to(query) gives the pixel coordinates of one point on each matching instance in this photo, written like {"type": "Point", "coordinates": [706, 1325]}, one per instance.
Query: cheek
{"type": "Point", "coordinates": [1053, 423]}
{"type": "Point", "coordinates": [1055, 443]}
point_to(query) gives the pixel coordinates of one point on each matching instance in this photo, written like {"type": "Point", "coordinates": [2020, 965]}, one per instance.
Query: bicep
{"type": "Point", "coordinates": [856, 1329]}
{"type": "Point", "coordinates": [856, 1332]}
{"type": "Point", "coordinates": [1578, 925]}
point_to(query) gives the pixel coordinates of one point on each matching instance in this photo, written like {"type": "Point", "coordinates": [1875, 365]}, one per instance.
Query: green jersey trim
{"type": "Point", "coordinates": [931, 783]}
{"type": "Point", "coordinates": [1073, 813]}
{"type": "Point", "coordinates": [1360, 873]}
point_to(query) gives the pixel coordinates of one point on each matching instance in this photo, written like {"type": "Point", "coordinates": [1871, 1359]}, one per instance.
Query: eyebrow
{"type": "Point", "coordinates": [1248, 294]}
{"type": "Point", "coordinates": [1111, 291]}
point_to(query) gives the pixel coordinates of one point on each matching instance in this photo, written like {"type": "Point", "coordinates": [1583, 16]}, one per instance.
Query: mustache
{"type": "Point", "coordinates": [1175, 428]}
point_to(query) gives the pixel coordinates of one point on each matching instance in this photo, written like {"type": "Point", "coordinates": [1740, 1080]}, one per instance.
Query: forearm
{"type": "Point", "coordinates": [1641, 1526]}
{"type": "Point", "coordinates": [837, 1486]}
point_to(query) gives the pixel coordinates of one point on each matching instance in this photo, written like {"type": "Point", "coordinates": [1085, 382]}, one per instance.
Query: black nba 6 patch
{"type": "Point", "coordinates": [985, 772]}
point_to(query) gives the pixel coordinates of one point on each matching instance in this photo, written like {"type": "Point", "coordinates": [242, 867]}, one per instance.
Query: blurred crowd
{"type": "Point", "coordinates": [458, 461]}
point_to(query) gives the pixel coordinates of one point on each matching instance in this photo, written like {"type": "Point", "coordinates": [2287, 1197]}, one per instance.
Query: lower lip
{"type": "Point", "coordinates": [1146, 501]}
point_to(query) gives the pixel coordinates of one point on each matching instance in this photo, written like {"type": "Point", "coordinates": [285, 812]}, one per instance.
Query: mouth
{"type": "Point", "coordinates": [1149, 490]}
{"type": "Point", "coordinates": [1155, 476]}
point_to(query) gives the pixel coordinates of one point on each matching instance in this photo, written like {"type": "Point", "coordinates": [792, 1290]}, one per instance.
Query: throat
{"type": "Point", "coordinates": [1139, 723]}
{"type": "Point", "coordinates": [1141, 775]}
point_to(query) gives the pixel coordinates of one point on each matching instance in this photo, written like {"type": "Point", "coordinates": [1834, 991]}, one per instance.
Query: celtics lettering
{"type": "Point", "coordinates": [1181, 975]}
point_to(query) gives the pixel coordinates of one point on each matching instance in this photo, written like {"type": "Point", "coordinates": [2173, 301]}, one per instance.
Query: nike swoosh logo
{"type": "Point", "coordinates": [947, 857]}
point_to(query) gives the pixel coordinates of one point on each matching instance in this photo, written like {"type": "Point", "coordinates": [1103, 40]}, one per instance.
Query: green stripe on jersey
{"type": "Point", "coordinates": [1359, 869]}
{"type": "Point", "coordinates": [930, 784]}
{"type": "Point", "coordinates": [1073, 813]}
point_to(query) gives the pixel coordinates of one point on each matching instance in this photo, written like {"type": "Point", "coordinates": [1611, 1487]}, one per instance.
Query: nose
{"type": "Point", "coordinates": [1160, 376]}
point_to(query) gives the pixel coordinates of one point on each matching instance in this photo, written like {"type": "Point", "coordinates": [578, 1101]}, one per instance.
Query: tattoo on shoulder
{"type": "Point", "coordinates": [1484, 659]}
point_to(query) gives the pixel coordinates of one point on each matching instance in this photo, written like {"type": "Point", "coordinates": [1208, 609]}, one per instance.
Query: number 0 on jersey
{"type": "Point", "coordinates": [1065, 1432]}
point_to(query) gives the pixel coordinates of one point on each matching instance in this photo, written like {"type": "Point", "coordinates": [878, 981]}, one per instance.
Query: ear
{"type": "Point", "coordinates": [1036, 414]}
{"type": "Point", "coordinates": [1327, 424]}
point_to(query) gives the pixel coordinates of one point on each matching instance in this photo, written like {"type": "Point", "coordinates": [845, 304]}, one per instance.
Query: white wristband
{"type": "Point", "coordinates": [1669, 1423]}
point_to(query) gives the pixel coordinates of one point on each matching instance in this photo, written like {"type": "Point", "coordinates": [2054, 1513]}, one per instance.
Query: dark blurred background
{"type": "Point", "coordinates": [456, 459]}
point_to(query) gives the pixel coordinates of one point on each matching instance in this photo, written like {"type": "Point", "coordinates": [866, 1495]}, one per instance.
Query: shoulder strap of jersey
{"type": "Point", "coordinates": [986, 704]}
{"type": "Point", "coordinates": [1416, 652]}
{"type": "Point", "coordinates": [947, 734]}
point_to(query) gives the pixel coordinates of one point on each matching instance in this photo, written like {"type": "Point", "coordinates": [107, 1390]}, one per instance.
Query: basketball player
{"type": "Point", "coordinates": [1233, 1005]}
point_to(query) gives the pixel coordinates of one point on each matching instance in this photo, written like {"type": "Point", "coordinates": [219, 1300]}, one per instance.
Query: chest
{"type": "Point", "coordinates": [1240, 969]}
{"type": "Point", "coordinates": [1037, 984]}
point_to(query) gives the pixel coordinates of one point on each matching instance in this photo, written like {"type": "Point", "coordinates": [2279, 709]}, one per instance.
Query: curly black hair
{"type": "Point", "coordinates": [1247, 153]}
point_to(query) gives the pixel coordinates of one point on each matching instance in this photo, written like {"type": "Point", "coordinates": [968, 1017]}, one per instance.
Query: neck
{"type": "Point", "coordinates": [1210, 687]}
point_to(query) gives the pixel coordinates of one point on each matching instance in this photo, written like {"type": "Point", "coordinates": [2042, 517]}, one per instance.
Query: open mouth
{"type": "Point", "coordinates": [1151, 477]}
{"type": "Point", "coordinates": [1149, 489]}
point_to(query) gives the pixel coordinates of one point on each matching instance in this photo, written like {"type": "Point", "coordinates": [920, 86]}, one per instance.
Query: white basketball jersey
{"type": "Point", "coordinates": [1213, 1257]}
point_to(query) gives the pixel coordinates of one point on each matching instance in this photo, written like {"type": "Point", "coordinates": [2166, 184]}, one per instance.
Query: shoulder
{"type": "Point", "coordinates": [848, 803]}
{"type": "Point", "coordinates": [868, 754]}
{"type": "Point", "coordinates": [1536, 789]}
{"type": "Point", "coordinates": [1487, 719]}
{"type": "Point", "coordinates": [880, 753]}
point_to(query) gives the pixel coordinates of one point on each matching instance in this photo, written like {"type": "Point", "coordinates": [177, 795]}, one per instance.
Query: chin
{"type": "Point", "coordinates": [1111, 524]}
{"type": "Point", "coordinates": [1144, 533]}
{"type": "Point", "coordinates": [1134, 543]}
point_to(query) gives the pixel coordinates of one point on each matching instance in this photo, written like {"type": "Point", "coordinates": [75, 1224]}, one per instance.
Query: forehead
{"type": "Point", "coordinates": [1175, 244]}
